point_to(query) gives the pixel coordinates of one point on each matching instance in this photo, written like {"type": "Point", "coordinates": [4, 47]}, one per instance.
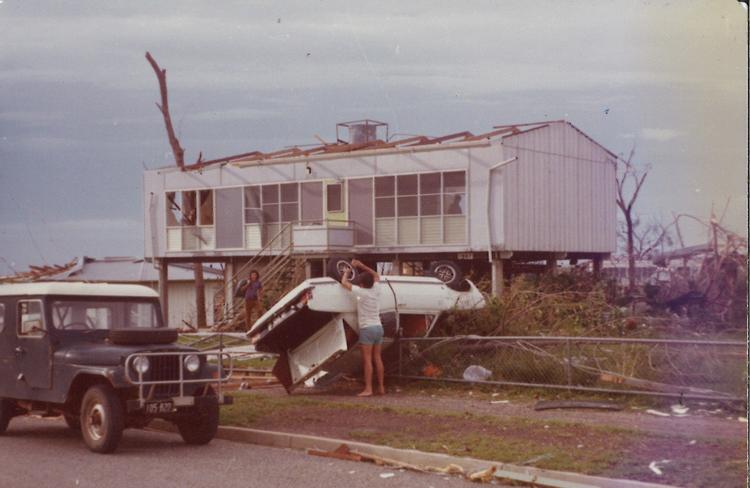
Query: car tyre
{"type": "Point", "coordinates": [102, 419]}
{"type": "Point", "coordinates": [201, 425]}
{"type": "Point", "coordinates": [337, 265]}
{"type": "Point", "coordinates": [7, 409]}
{"type": "Point", "coordinates": [449, 272]}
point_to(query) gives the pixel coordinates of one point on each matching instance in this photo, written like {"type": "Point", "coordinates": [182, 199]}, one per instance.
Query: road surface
{"type": "Point", "coordinates": [43, 453]}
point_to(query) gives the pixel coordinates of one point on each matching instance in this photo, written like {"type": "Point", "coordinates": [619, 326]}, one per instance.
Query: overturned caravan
{"type": "Point", "coordinates": [314, 328]}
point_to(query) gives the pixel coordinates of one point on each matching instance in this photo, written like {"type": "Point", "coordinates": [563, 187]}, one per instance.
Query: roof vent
{"type": "Point", "coordinates": [361, 131]}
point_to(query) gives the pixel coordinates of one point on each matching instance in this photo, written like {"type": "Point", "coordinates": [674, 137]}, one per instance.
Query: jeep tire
{"type": "Point", "coordinates": [201, 425]}
{"type": "Point", "coordinates": [7, 409]}
{"type": "Point", "coordinates": [102, 419]}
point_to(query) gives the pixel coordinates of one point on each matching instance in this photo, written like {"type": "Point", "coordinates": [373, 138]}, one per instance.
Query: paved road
{"type": "Point", "coordinates": [43, 453]}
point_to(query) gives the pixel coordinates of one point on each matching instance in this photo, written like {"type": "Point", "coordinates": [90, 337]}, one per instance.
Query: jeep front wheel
{"type": "Point", "coordinates": [102, 420]}
{"type": "Point", "coordinates": [201, 425]}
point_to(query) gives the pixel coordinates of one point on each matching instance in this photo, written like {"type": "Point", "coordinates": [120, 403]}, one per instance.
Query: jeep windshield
{"type": "Point", "coordinates": [104, 313]}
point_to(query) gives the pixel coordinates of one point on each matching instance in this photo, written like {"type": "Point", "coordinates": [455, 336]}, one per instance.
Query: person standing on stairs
{"type": "Point", "coordinates": [253, 295]}
{"type": "Point", "coordinates": [370, 327]}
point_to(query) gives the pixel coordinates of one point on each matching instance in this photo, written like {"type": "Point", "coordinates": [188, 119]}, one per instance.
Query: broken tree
{"type": "Point", "coordinates": [179, 158]}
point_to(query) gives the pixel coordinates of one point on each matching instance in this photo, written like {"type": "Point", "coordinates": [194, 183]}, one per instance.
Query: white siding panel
{"type": "Point", "coordinates": [252, 236]}
{"type": "Point", "coordinates": [408, 230]}
{"type": "Point", "coordinates": [174, 239]}
{"type": "Point", "coordinates": [559, 194]}
{"type": "Point", "coordinates": [431, 230]}
{"type": "Point", "coordinates": [385, 232]}
{"type": "Point", "coordinates": [455, 229]}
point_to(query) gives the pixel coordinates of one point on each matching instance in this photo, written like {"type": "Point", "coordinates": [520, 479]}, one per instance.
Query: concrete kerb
{"type": "Point", "coordinates": [537, 476]}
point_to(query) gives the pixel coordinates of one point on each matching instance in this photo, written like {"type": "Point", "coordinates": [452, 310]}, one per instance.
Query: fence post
{"type": "Point", "coordinates": [398, 340]}
{"type": "Point", "coordinates": [568, 361]}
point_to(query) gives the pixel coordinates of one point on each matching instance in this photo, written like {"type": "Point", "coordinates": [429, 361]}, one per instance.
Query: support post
{"type": "Point", "coordinates": [229, 285]}
{"type": "Point", "coordinates": [308, 269]}
{"type": "Point", "coordinates": [163, 266]}
{"type": "Point", "coordinates": [552, 265]}
{"type": "Point", "coordinates": [396, 266]}
{"type": "Point", "coordinates": [598, 267]}
{"type": "Point", "coordinates": [498, 278]}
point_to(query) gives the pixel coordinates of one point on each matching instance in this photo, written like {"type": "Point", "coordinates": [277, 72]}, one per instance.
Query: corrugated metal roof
{"type": "Point", "coordinates": [88, 289]}
{"type": "Point", "coordinates": [411, 141]}
{"type": "Point", "coordinates": [126, 270]}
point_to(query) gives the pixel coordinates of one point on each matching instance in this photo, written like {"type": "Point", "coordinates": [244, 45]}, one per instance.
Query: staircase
{"type": "Point", "coordinates": [279, 272]}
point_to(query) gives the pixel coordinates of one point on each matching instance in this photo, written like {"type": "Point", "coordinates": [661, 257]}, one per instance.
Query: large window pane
{"type": "Point", "coordinates": [429, 183]}
{"type": "Point", "coordinates": [206, 207]}
{"type": "Point", "coordinates": [253, 216]}
{"type": "Point", "coordinates": [271, 213]}
{"type": "Point", "coordinates": [384, 186]}
{"type": "Point", "coordinates": [407, 206]}
{"type": "Point", "coordinates": [270, 194]}
{"type": "Point", "coordinates": [333, 198]}
{"type": "Point", "coordinates": [174, 215]}
{"type": "Point", "coordinates": [289, 192]}
{"type": "Point", "coordinates": [454, 182]}
{"type": "Point", "coordinates": [252, 197]}
{"type": "Point", "coordinates": [430, 204]}
{"type": "Point", "coordinates": [189, 208]}
{"type": "Point", "coordinates": [289, 212]}
{"type": "Point", "coordinates": [312, 201]}
{"type": "Point", "coordinates": [385, 207]}
{"type": "Point", "coordinates": [454, 204]}
{"type": "Point", "coordinates": [407, 184]}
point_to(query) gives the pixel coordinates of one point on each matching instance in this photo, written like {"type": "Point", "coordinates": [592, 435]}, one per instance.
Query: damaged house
{"type": "Point", "coordinates": [515, 198]}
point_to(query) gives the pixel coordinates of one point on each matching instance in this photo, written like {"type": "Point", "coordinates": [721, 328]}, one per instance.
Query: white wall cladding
{"type": "Point", "coordinates": [560, 193]}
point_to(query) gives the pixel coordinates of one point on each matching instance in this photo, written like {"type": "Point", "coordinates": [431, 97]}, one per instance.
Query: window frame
{"type": "Point", "coordinates": [40, 333]}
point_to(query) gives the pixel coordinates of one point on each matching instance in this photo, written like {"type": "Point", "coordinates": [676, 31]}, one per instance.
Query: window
{"type": "Point", "coordinates": [2, 316]}
{"type": "Point", "coordinates": [454, 193]}
{"type": "Point", "coordinates": [190, 220]}
{"type": "Point", "coordinates": [81, 314]}
{"type": "Point", "coordinates": [333, 198]}
{"type": "Point", "coordinates": [253, 212]}
{"type": "Point", "coordinates": [30, 318]}
{"type": "Point", "coordinates": [289, 202]}
{"type": "Point", "coordinates": [385, 192]}
{"type": "Point", "coordinates": [207, 207]}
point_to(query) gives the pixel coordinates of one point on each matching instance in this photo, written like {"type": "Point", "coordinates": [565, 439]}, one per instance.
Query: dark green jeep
{"type": "Point", "coordinates": [100, 355]}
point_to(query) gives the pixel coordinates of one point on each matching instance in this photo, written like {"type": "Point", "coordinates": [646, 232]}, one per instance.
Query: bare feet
{"type": "Point", "coordinates": [365, 394]}
{"type": "Point", "coordinates": [381, 391]}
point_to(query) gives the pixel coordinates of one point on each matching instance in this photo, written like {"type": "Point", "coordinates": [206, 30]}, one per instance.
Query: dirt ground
{"type": "Point", "coordinates": [702, 448]}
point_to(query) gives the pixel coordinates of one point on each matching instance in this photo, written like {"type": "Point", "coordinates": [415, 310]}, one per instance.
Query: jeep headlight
{"type": "Point", "coordinates": [141, 364]}
{"type": "Point", "coordinates": [192, 363]}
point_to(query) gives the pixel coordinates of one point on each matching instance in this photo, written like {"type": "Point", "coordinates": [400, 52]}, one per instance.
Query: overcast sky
{"type": "Point", "coordinates": [78, 122]}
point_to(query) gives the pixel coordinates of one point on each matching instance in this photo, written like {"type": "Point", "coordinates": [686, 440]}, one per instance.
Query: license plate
{"type": "Point", "coordinates": [465, 255]}
{"type": "Point", "coordinates": [159, 407]}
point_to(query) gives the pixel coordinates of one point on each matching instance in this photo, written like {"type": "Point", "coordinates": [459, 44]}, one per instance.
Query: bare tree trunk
{"type": "Point", "coordinates": [631, 254]}
{"type": "Point", "coordinates": [179, 158]}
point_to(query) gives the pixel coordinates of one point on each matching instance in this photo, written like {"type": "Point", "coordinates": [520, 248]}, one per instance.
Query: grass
{"type": "Point", "coordinates": [548, 443]}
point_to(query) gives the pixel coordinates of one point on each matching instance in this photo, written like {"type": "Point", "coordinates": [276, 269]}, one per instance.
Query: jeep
{"type": "Point", "coordinates": [101, 356]}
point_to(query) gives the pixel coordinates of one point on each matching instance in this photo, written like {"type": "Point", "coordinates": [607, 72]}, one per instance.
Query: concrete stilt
{"type": "Point", "coordinates": [498, 277]}
{"type": "Point", "coordinates": [598, 266]}
{"type": "Point", "coordinates": [229, 285]}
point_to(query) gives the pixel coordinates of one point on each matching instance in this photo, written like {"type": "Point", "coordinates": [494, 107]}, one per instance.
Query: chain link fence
{"type": "Point", "coordinates": [690, 369]}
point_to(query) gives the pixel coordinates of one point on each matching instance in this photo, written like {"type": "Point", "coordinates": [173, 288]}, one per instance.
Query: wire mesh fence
{"type": "Point", "coordinates": [713, 370]}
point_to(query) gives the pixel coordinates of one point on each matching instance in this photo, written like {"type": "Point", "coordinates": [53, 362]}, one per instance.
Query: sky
{"type": "Point", "coordinates": [78, 123]}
